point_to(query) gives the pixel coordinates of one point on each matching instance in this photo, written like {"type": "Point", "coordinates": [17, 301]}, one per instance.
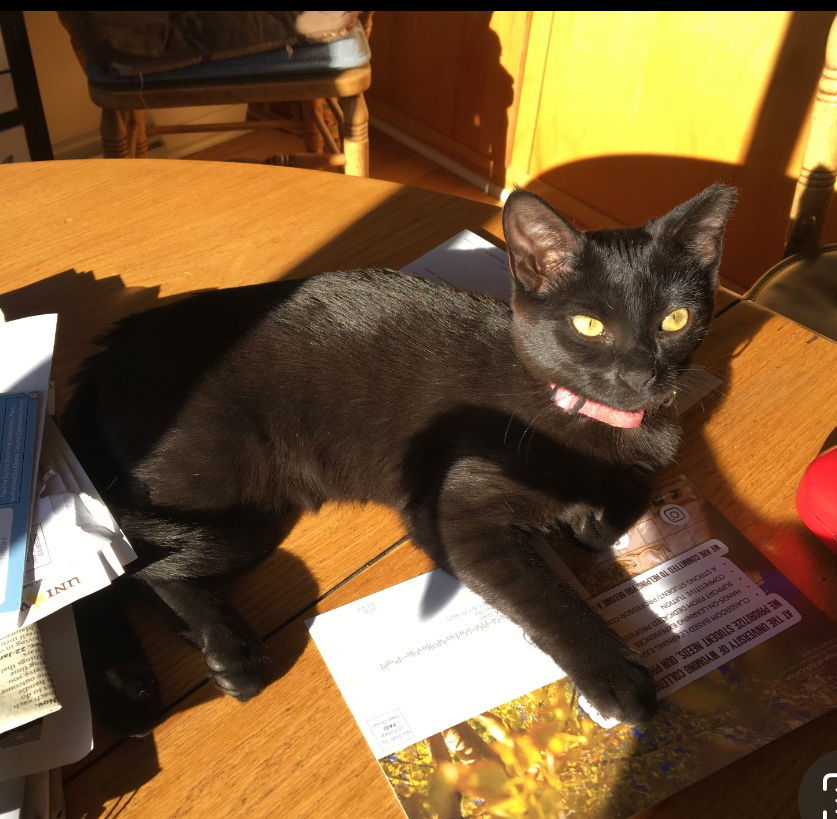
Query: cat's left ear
{"type": "Point", "coordinates": [543, 247]}
{"type": "Point", "coordinates": [698, 225]}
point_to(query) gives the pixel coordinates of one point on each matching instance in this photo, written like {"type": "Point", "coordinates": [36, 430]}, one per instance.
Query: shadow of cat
{"type": "Point", "coordinates": [74, 337]}
{"type": "Point", "coordinates": [253, 592]}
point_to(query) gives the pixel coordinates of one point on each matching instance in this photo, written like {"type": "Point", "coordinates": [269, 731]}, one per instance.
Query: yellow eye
{"type": "Point", "coordinates": [676, 320]}
{"type": "Point", "coordinates": [588, 326]}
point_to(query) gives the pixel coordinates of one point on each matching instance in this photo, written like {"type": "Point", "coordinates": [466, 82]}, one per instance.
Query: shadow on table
{"type": "Point", "coordinates": [119, 767]}
{"type": "Point", "coordinates": [269, 596]}
{"type": "Point", "coordinates": [65, 293]}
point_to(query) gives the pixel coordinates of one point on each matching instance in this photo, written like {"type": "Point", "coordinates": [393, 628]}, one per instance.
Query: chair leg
{"type": "Point", "coordinates": [313, 137]}
{"type": "Point", "coordinates": [123, 134]}
{"type": "Point", "coordinates": [141, 138]}
{"type": "Point", "coordinates": [815, 183]}
{"type": "Point", "coordinates": [355, 135]}
{"type": "Point", "coordinates": [114, 133]}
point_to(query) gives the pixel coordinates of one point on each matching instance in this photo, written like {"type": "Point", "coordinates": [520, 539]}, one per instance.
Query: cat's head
{"type": "Point", "coordinates": [613, 316]}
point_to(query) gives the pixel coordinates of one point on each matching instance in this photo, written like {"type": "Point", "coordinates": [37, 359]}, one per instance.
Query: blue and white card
{"type": "Point", "coordinates": [18, 434]}
{"type": "Point", "coordinates": [26, 347]}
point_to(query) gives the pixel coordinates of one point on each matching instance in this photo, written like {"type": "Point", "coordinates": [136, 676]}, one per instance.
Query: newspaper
{"type": "Point", "coordinates": [65, 735]}
{"type": "Point", "coordinates": [26, 691]}
{"type": "Point", "coordinates": [75, 548]}
{"type": "Point", "coordinates": [37, 796]}
{"type": "Point", "coordinates": [453, 698]}
{"type": "Point", "coordinates": [58, 542]}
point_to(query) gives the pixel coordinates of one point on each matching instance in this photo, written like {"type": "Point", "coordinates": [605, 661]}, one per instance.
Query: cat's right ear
{"type": "Point", "coordinates": [543, 247]}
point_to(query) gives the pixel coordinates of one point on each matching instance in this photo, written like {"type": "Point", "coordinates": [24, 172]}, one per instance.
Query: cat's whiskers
{"type": "Point", "coordinates": [695, 366]}
{"type": "Point", "coordinates": [529, 427]}
{"type": "Point", "coordinates": [527, 394]}
{"type": "Point", "coordinates": [508, 426]}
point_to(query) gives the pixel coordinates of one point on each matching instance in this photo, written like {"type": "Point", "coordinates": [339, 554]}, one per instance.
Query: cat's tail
{"type": "Point", "coordinates": [83, 428]}
{"type": "Point", "coordinates": [124, 693]}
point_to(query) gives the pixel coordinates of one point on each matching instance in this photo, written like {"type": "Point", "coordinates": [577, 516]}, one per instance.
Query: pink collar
{"type": "Point", "coordinates": [572, 403]}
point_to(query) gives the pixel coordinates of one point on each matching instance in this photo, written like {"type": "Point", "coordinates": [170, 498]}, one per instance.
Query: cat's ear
{"type": "Point", "coordinates": [698, 225]}
{"type": "Point", "coordinates": [542, 246]}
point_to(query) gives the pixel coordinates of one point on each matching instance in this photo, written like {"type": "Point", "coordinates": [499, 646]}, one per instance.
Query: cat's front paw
{"type": "Point", "coordinates": [237, 662]}
{"type": "Point", "coordinates": [592, 532]}
{"type": "Point", "coordinates": [619, 687]}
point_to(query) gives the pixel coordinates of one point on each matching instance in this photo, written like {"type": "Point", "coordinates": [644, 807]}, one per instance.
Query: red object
{"type": "Point", "coordinates": [816, 497]}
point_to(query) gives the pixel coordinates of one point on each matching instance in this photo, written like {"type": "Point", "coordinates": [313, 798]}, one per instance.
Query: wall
{"type": "Point", "coordinates": [73, 120]}
{"type": "Point", "coordinates": [70, 114]}
{"type": "Point", "coordinates": [614, 117]}
{"type": "Point", "coordinates": [447, 78]}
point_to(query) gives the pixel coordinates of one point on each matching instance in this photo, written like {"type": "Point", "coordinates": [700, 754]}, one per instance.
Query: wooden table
{"type": "Point", "coordinates": [96, 239]}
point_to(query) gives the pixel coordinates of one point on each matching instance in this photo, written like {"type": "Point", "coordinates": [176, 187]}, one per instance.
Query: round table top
{"type": "Point", "coordinates": [96, 239]}
{"type": "Point", "coordinates": [117, 236]}
{"type": "Point", "coordinates": [174, 222]}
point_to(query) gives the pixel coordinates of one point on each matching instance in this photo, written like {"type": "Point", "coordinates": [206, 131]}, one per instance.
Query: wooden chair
{"type": "Point", "coordinates": [803, 286]}
{"type": "Point", "coordinates": [334, 74]}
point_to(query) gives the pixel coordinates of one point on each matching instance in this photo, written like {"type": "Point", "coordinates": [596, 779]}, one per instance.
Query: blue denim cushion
{"type": "Point", "coordinates": [347, 52]}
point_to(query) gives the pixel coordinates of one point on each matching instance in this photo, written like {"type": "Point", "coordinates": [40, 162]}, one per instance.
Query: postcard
{"type": "Point", "coordinates": [464, 714]}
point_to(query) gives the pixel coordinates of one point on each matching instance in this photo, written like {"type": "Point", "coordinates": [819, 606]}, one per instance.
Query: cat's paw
{"type": "Point", "coordinates": [237, 662]}
{"type": "Point", "coordinates": [620, 687]}
{"type": "Point", "coordinates": [125, 696]}
{"type": "Point", "coordinates": [592, 533]}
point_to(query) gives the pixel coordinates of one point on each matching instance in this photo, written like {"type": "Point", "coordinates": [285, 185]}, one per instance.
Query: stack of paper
{"type": "Point", "coordinates": [76, 546]}
{"type": "Point", "coordinates": [58, 543]}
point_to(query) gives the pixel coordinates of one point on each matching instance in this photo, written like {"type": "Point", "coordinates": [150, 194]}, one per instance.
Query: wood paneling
{"type": "Point", "coordinates": [615, 117]}
{"type": "Point", "coordinates": [448, 77]}
{"type": "Point", "coordinates": [673, 101]}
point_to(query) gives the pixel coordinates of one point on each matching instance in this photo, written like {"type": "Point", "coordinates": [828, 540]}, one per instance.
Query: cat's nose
{"type": "Point", "coordinates": [638, 379]}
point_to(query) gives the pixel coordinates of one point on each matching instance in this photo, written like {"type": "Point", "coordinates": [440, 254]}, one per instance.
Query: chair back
{"type": "Point", "coordinates": [803, 285]}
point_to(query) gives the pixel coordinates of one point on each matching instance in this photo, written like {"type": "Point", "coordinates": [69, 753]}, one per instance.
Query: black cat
{"type": "Point", "coordinates": [490, 428]}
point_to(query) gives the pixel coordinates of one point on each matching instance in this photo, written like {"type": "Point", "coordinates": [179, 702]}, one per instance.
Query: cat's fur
{"type": "Point", "coordinates": [206, 420]}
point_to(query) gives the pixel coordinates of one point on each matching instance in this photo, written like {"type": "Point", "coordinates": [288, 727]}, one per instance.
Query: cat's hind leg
{"type": "Point", "coordinates": [176, 554]}
{"type": "Point", "coordinates": [188, 550]}
{"type": "Point", "coordinates": [123, 689]}
{"type": "Point", "coordinates": [234, 654]}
